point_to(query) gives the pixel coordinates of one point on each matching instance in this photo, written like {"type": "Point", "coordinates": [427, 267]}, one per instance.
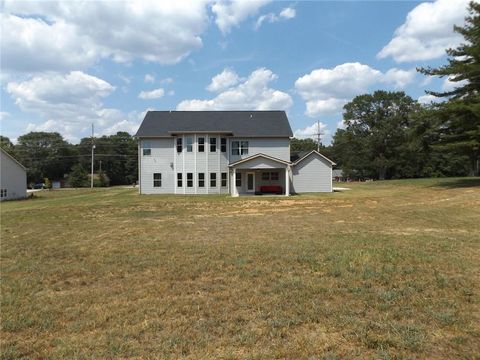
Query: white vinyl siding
{"type": "Point", "coordinates": [276, 147]}
{"type": "Point", "coordinates": [13, 178]}
{"type": "Point", "coordinates": [160, 161]}
{"type": "Point", "coordinates": [313, 174]}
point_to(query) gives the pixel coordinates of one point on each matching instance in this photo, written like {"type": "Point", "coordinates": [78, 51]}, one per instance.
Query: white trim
{"type": "Point", "coordinates": [139, 167]}
{"type": "Point", "coordinates": [256, 156]}
{"type": "Point", "coordinates": [287, 181]}
{"type": "Point", "coordinates": [207, 152]}
{"type": "Point", "coordinates": [310, 153]}
{"type": "Point", "coordinates": [184, 178]}
{"type": "Point", "coordinates": [195, 174]}
{"type": "Point", "coordinates": [175, 165]}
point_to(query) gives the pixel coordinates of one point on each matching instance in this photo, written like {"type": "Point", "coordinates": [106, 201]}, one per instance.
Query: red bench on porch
{"type": "Point", "coordinates": [272, 189]}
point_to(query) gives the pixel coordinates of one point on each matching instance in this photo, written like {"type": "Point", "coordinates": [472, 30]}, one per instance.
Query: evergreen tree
{"type": "Point", "coordinates": [460, 115]}
{"type": "Point", "coordinates": [78, 177]}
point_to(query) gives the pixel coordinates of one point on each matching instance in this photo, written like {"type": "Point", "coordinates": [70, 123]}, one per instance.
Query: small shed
{"type": "Point", "coordinates": [13, 178]}
{"type": "Point", "coordinates": [312, 173]}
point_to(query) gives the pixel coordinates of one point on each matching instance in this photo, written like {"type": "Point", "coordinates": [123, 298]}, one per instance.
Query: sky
{"type": "Point", "coordinates": [66, 65]}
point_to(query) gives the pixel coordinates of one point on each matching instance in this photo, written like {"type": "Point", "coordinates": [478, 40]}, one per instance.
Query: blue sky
{"type": "Point", "coordinates": [68, 64]}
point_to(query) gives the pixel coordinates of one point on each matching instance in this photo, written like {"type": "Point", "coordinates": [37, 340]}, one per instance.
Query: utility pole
{"type": "Point", "coordinates": [93, 153]}
{"type": "Point", "coordinates": [318, 134]}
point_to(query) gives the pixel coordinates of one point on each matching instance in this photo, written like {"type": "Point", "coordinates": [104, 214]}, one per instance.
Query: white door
{"type": "Point", "coordinates": [250, 182]}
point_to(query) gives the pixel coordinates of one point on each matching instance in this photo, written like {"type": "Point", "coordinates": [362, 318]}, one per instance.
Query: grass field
{"type": "Point", "coordinates": [386, 270]}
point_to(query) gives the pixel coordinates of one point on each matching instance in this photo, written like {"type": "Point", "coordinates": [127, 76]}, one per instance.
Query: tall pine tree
{"type": "Point", "coordinates": [460, 116]}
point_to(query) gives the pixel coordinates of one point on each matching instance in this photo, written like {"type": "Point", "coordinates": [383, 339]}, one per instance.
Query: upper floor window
{"type": "Point", "coordinates": [201, 144]}
{"type": "Point", "coordinates": [224, 179]}
{"type": "Point", "coordinates": [179, 145]}
{"type": "Point", "coordinates": [244, 147]}
{"type": "Point", "coordinates": [239, 147]}
{"type": "Point", "coordinates": [189, 144]}
{"type": "Point", "coordinates": [189, 179]}
{"type": "Point", "coordinates": [147, 148]}
{"type": "Point", "coordinates": [223, 145]}
{"type": "Point", "coordinates": [157, 180]}
{"type": "Point", "coordinates": [213, 144]}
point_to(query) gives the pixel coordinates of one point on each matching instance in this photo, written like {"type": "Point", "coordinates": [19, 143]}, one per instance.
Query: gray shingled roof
{"type": "Point", "coordinates": [239, 123]}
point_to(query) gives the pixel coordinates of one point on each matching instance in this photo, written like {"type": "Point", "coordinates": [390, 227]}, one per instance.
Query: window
{"type": "Point", "coordinates": [213, 180]}
{"type": "Point", "coordinates": [147, 148]}
{"type": "Point", "coordinates": [3, 193]}
{"type": "Point", "coordinates": [274, 176]}
{"type": "Point", "coordinates": [179, 180]}
{"type": "Point", "coordinates": [201, 179]}
{"type": "Point", "coordinates": [224, 180]}
{"type": "Point", "coordinates": [189, 179]}
{"type": "Point", "coordinates": [238, 179]}
{"type": "Point", "coordinates": [239, 147]}
{"type": "Point", "coordinates": [189, 144]}
{"type": "Point", "coordinates": [235, 147]}
{"type": "Point", "coordinates": [179, 145]}
{"type": "Point", "coordinates": [243, 147]}
{"type": "Point", "coordinates": [213, 144]}
{"type": "Point", "coordinates": [201, 144]}
{"type": "Point", "coordinates": [223, 145]}
{"type": "Point", "coordinates": [157, 180]}
{"type": "Point", "coordinates": [265, 176]}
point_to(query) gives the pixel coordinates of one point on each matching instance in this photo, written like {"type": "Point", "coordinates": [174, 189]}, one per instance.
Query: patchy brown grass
{"type": "Point", "coordinates": [386, 270]}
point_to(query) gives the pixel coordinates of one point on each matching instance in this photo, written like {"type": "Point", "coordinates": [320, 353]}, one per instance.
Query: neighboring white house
{"type": "Point", "coordinates": [13, 178]}
{"type": "Point", "coordinates": [225, 152]}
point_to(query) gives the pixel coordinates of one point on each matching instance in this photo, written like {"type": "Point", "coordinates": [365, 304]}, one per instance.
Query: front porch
{"type": "Point", "coordinates": [260, 175]}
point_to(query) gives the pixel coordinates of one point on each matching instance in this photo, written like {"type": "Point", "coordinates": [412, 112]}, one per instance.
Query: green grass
{"type": "Point", "coordinates": [386, 270]}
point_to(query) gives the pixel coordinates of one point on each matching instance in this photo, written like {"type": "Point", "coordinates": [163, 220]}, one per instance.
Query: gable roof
{"type": "Point", "coordinates": [259, 155]}
{"type": "Point", "coordinates": [313, 152]}
{"type": "Point", "coordinates": [237, 123]}
{"type": "Point", "coordinates": [11, 157]}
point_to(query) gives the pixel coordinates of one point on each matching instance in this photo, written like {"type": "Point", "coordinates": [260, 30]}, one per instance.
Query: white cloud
{"type": "Point", "coordinates": [149, 78]}
{"type": "Point", "coordinates": [67, 103]}
{"type": "Point", "coordinates": [73, 35]}
{"type": "Point", "coordinates": [427, 31]}
{"type": "Point", "coordinates": [285, 14]}
{"type": "Point", "coordinates": [326, 91]}
{"type": "Point", "coordinates": [153, 94]}
{"type": "Point", "coordinates": [229, 14]}
{"type": "Point", "coordinates": [251, 93]}
{"type": "Point", "coordinates": [227, 78]}
{"type": "Point", "coordinates": [30, 45]}
{"type": "Point", "coordinates": [399, 78]}
{"type": "Point", "coordinates": [427, 99]}
{"type": "Point", "coordinates": [288, 13]}
{"type": "Point", "coordinates": [167, 80]}
{"type": "Point", "coordinates": [4, 115]}
{"type": "Point", "coordinates": [311, 131]}
{"type": "Point", "coordinates": [449, 85]}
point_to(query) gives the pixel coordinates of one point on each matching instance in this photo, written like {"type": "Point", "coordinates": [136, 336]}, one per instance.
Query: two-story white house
{"type": "Point", "coordinates": [225, 152]}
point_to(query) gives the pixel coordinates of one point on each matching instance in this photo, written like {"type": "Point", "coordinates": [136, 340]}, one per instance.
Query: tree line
{"type": "Point", "coordinates": [386, 135]}
{"type": "Point", "coordinates": [47, 155]}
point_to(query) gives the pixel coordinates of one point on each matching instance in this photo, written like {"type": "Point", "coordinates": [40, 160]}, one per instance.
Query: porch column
{"type": "Point", "coordinates": [287, 182]}
{"type": "Point", "coordinates": [234, 183]}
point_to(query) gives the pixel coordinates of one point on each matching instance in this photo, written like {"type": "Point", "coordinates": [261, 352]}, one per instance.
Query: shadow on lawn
{"type": "Point", "coordinates": [459, 183]}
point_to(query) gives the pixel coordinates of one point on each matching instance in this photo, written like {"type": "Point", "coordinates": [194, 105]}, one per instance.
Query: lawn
{"type": "Point", "coordinates": [387, 270]}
